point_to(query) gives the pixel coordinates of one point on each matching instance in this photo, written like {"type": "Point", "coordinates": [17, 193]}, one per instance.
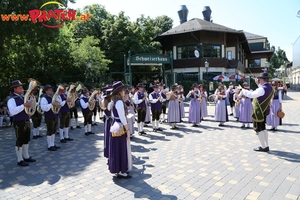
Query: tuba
{"type": "Point", "coordinates": [92, 100]}
{"type": "Point", "coordinates": [56, 98]}
{"type": "Point", "coordinates": [79, 86]}
{"type": "Point", "coordinates": [201, 97]}
{"type": "Point", "coordinates": [72, 95]}
{"type": "Point", "coordinates": [29, 97]}
{"type": "Point", "coordinates": [39, 109]}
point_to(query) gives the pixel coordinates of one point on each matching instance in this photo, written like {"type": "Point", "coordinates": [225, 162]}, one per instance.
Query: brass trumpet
{"type": "Point", "coordinates": [29, 97]}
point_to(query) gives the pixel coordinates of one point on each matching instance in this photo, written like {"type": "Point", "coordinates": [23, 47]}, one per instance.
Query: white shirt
{"type": "Point", "coordinates": [13, 108]}
{"type": "Point", "coordinates": [254, 94]}
{"type": "Point", "coordinates": [136, 99]}
{"type": "Point", "coordinates": [151, 99]}
{"type": "Point", "coordinates": [45, 106]}
{"type": "Point", "coordinates": [121, 112]}
{"type": "Point", "coordinates": [83, 104]}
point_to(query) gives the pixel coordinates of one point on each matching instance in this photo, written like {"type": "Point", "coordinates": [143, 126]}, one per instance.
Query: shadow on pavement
{"type": "Point", "coordinates": [289, 156]}
{"type": "Point", "coordinates": [142, 189]}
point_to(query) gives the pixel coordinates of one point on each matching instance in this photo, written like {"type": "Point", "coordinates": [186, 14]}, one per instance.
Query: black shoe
{"type": "Point", "coordinates": [91, 133]}
{"type": "Point", "coordinates": [95, 124]}
{"type": "Point", "coordinates": [243, 126]}
{"type": "Point", "coordinates": [23, 163]}
{"type": "Point", "coordinates": [173, 128]}
{"type": "Point", "coordinates": [72, 128]}
{"type": "Point", "coordinates": [78, 126]}
{"type": "Point", "coordinates": [35, 137]}
{"type": "Point", "coordinates": [52, 149]}
{"type": "Point", "coordinates": [145, 125]}
{"type": "Point", "coordinates": [39, 136]}
{"type": "Point", "coordinates": [68, 139]}
{"type": "Point", "coordinates": [29, 159]}
{"type": "Point", "coordinates": [261, 149]}
{"type": "Point", "coordinates": [176, 127]}
{"type": "Point", "coordinates": [194, 125]}
{"type": "Point", "coordinates": [272, 129]}
{"type": "Point", "coordinates": [87, 133]}
{"type": "Point", "coordinates": [231, 114]}
{"type": "Point", "coordinates": [159, 129]}
{"type": "Point", "coordinates": [63, 141]}
{"type": "Point", "coordinates": [154, 130]}
{"type": "Point", "coordinates": [56, 147]}
{"type": "Point", "coordinates": [125, 177]}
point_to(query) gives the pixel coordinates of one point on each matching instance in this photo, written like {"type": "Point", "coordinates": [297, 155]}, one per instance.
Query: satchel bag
{"type": "Point", "coordinates": [280, 114]}
{"type": "Point", "coordinates": [117, 129]}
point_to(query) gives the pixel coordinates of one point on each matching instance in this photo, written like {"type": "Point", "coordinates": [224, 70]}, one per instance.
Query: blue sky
{"type": "Point", "coordinates": [276, 20]}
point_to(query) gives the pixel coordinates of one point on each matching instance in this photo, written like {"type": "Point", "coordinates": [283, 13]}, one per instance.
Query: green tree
{"type": "Point", "coordinates": [279, 58]}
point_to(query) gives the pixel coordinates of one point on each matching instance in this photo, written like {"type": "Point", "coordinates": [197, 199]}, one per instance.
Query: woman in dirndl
{"type": "Point", "coordinates": [120, 159]}
{"type": "Point", "coordinates": [194, 109]}
{"type": "Point", "coordinates": [203, 102]}
{"type": "Point", "coordinates": [181, 99]}
{"type": "Point", "coordinates": [276, 105]}
{"type": "Point", "coordinates": [131, 114]}
{"type": "Point", "coordinates": [221, 114]}
{"type": "Point", "coordinates": [173, 107]}
{"type": "Point", "coordinates": [246, 108]}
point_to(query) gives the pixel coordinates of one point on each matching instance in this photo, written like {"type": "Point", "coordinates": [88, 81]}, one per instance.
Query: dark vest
{"type": "Point", "coordinates": [141, 96]}
{"type": "Point", "coordinates": [85, 99]}
{"type": "Point", "coordinates": [231, 93]}
{"type": "Point", "coordinates": [49, 114]}
{"type": "Point", "coordinates": [276, 95]}
{"type": "Point", "coordinates": [157, 105]}
{"type": "Point", "coordinates": [65, 108]}
{"type": "Point", "coordinates": [261, 104]}
{"type": "Point", "coordinates": [21, 116]}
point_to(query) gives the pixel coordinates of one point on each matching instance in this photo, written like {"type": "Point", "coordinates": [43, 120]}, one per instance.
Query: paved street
{"type": "Point", "coordinates": [205, 162]}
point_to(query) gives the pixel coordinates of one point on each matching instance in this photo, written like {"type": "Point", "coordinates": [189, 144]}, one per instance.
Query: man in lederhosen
{"type": "Point", "coordinates": [156, 107]}
{"type": "Point", "coordinates": [163, 101]}
{"type": "Point", "coordinates": [261, 108]}
{"type": "Point", "coordinates": [86, 112]}
{"type": "Point", "coordinates": [139, 99]}
{"type": "Point", "coordinates": [51, 118]}
{"type": "Point", "coordinates": [36, 118]}
{"type": "Point", "coordinates": [94, 111]}
{"type": "Point", "coordinates": [21, 122]}
{"type": "Point", "coordinates": [64, 118]}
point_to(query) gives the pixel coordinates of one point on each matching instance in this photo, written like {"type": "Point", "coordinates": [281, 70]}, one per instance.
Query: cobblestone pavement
{"type": "Point", "coordinates": [205, 162]}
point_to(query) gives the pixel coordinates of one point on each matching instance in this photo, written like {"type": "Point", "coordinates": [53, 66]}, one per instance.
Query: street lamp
{"type": "Point", "coordinates": [206, 64]}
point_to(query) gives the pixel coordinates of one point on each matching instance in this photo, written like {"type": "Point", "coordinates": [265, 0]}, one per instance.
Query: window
{"type": "Point", "coordinates": [212, 51]}
{"type": "Point", "coordinates": [253, 63]}
{"type": "Point", "coordinates": [186, 52]}
{"type": "Point", "coordinates": [229, 55]}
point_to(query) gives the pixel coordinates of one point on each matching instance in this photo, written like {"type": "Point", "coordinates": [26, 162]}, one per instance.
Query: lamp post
{"type": "Point", "coordinates": [206, 64]}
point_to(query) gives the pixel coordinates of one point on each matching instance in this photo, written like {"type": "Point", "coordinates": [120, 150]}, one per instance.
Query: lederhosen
{"type": "Point", "coordinates": [51, 119]}
{"type": "Point", "coordinates": [21, 123]}
{"type": "Point", "coordinates": [86, 112]}
{"type": "Point", "coordinates": [261, 108]}
{"type": "Point", "coordinates": [156, 107]}
{"type": "Point", "coordinates": [65, 115]}
{"type": "Point", "coordinates": [231, 101]}
{"type": "Point", "coordinates": [141, 108]}
{"type": "Point", "coordinates": [36, 118]}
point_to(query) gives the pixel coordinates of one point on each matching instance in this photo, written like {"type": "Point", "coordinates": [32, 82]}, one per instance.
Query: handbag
{"type": "Point", "coordinates": [117, 129]}
{"type": "Point", "coordinates": [280, 114]}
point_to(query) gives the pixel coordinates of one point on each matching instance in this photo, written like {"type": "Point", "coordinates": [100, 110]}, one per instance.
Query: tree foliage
{"type": "Point", "coordinates": [278, 59]}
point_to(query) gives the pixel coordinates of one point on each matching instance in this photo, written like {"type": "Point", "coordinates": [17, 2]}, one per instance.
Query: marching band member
{"type": "Point", "coordinates": [203, 102]}
{"type": "Point", "coordinates": [106, 106]}
{"type": "Point", "coordinates": [36, 118]}
{"type": "Point", "coordinates": [74, 111]}
{"type": "Point", "coordinates": [86, 112]}
{"type": "Point", "coordinates": [221, 114]}
{"type": "Point", "coordinates": [194, 109]}
{"type": "Point", "coordinates": [272, 119]}
{"type": "Point", "coordinates": [236, 100]}
{"type": "Point", "coordinates": [261, 100]}
{"type": "Point", "coordinates": [51, 119]}
{"type": "Point", "coordinates": [130, 110]}
{"type": "Point", "coordinates": [140, 100]}
{"type": "Point", "coordinates": [173, 107]}
{"type": "Point", "coordinates": [156, 106]}
{"type": "Point", "coordinates": [230, 93]}
{"type": "Point", "coordinates": [21, 123]}
{"type": "Point", "coordinates": [148, 113]}
{"type": "Point", "coordinates": [64, 118]}
{"type": "Point", "coordinates": [163, 100]}
{"type": "Point", "coordinates": [181, 98]}
{"type": "Point", "coordinates": [246, 108]}
{"type": "Point", "coordinates": [94, 111]}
